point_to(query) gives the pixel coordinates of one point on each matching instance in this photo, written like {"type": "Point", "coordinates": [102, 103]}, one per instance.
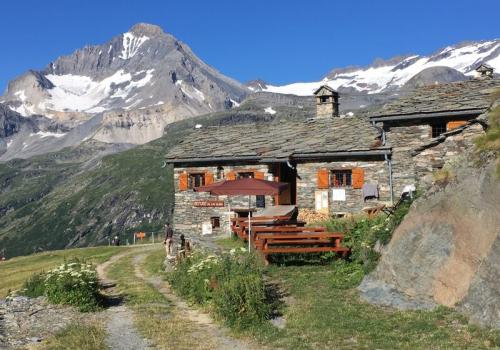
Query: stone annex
{"type": "Point", "coordinates": [334, 164]}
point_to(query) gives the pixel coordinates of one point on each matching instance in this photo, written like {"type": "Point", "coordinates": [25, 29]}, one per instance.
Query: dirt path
{"type": "Point", "coordinates": [219, 335]}
{"type": "Point", "coordinates": [121, 332]}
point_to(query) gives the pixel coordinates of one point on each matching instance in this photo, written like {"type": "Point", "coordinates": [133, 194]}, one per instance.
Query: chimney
{"type": "Point", "coordinates": [327, 102]}
{"type": "Point", "coordinates": [484, 71]}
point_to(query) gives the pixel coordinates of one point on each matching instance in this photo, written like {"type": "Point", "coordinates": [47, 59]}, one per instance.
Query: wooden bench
{"type": "Point", "coordinates": [299, 242]}
{"type": "Point", "coordinates": [239, 226]}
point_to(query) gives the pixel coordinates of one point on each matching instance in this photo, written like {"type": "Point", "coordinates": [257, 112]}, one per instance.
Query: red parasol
{"type": "Point", "coordinates": [245, 186]}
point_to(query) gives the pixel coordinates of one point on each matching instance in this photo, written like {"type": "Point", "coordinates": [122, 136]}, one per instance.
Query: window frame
{"type": "Point", "coordinates": [215, 221]}
{"type": "Point", "coordinates": [246, 172]}
{"type": "Point", "coordinates": [437, 129]}
{"type": "Point", "coordinates": [346, 178]}
{"type": "Point", "coordinates": [192, 183]}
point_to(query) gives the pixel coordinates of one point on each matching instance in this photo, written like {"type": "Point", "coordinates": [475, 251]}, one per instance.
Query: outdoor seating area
{"type": "Point", "coordinates": [284, 235]}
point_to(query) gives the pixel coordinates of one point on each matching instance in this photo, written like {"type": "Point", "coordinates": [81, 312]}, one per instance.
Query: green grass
{"type": "Point", "coordinates": [135, 291]}
{"type": "Point", "coordinates": [153, 264]}
{"type": "Point", "coordinates": [153, 314]}
{"type": "Point", "coordinates": [320, 316]}
{"type": "Point", "coordinates": [77, 336]}
{"type": "Point", "coordinates": [15, 271]}
{"type": "Point", "coordinates": [227, 243]}
{"type": "Point", "coordinates": [490, 142]}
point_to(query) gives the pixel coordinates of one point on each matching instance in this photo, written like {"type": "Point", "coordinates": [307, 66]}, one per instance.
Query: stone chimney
{"type": "Point", "coordinates": [327, 102]}
{"type": "Point", "coordinates": [484, 71]}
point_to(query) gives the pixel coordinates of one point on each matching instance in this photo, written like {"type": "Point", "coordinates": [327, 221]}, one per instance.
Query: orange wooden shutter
{"type": "Point", "coordinates": [231, 175]}
{"type": "Point", "coordinates": [322, 178]}
{"type": "Point", "coordinates": [259, 175]}
{"type": "Point", "coordinates": [455, 124]}
{"type": "Point", "coordinates": [209, 178]}
{"type": "Point", "coordinates": [183, 182]}
{"type": "Point", "coordinates": [358, 177]}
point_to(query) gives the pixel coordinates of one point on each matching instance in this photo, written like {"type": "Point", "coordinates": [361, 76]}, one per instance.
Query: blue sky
{"type": "Point", "coordinates": [279, 41]}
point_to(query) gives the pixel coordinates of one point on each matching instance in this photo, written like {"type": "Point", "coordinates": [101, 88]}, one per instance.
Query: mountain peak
{"type": "Point", "coordinates": [147, 29]}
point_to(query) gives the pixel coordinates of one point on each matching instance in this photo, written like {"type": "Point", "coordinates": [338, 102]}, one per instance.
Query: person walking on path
{"type": "Point", "coordinates": [169, 235]}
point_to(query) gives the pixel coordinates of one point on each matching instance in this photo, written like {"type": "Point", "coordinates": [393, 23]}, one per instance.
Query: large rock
{"type": "Point", "coordinates": [446, 251]}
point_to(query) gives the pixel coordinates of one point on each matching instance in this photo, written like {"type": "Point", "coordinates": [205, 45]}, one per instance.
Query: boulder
{"type": "Point", "coordinates": [446, 251]}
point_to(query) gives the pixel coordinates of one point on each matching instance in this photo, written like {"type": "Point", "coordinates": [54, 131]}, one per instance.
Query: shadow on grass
{"type": "Point", "coordinates": [311, 259]}
{"type": "Point", "coordinates": [275, 297]}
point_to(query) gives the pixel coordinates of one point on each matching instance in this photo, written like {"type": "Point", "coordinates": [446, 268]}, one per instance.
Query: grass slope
{"type": "Point", "coordinates": [48, 204]}
{"type": "Point", "coordinates": [15, 271]}
{"type": "Point", "coordinates": [74, 197]}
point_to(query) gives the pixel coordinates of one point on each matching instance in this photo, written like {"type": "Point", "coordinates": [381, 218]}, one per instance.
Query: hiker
{"type": "Point", "coordinates": [169, 235]}
{"type": "Point", "coordinates": [116, 241]}
{"type": "Point", "coordinates": [182, 246]}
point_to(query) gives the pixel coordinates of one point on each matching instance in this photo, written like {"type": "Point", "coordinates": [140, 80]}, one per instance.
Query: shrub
{"type": "Point", "coordinates": [231, 285]}
{"type": "Point", "coordinates": [362, 234]}
{"type": "Point", "coordinates": [35, 286]}
{"type": "Point", "coordinates": [72, 283]}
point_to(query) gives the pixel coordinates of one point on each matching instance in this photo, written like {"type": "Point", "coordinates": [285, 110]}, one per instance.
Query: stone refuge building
{"type": "Point", "coordinates": [328, 160]}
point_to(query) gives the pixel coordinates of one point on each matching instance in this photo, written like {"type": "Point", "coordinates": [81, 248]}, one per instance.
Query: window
{"type": "Point", "coordinates": [215, 221]}
{"type": "Point", "coordinates": [438, 129]}
{"type": "Point", "coordinates": [341, 178]}
{"type": "Point", "coordinates": [324, 99]}
{"type": "Point", "coordinates": [260, 201]}
{"type": "Point", "coordinates": [220, 173]}
{"type": "Point", "coordinates": [246, 174]}
{"type": "Point", "coordinates": [196, 180]}
{"type": "Point", "coordinates": [321, 201]}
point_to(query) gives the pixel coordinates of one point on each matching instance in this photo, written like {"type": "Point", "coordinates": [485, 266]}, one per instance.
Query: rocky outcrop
{"type": "Point", "coordinates": [447, 249]}
{"type": "Point", "coordinates": [434, 75]}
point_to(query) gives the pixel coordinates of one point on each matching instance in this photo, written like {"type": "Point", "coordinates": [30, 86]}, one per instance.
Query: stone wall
{"type": "Point", "coordinates": [416, 155]}
{"type": "Point", "coordinates": [375, 171]}
{"type": "Point", "coordinates": [189, 219]}
{"type": "Point", "coordinates": [326, 110]}
{"type": "Point", "coordinates": [434, 157]}
{"type": "Point", "coordinates": [404, 138]}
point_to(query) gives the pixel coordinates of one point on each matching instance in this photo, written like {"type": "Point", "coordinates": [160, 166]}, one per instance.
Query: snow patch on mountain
{"type": "Point", "coordinates": [270, 110]}
{"type": "Point", "coordinates": [81, 93]}
{"type": "Point", "coordinates": [43, 134]}
{"type": "Point", "coordinates": [394, 73]}
{"type": "Point", "coordinates": [131, 45]}
{"type": "Point", "coordinates": [190, 91]}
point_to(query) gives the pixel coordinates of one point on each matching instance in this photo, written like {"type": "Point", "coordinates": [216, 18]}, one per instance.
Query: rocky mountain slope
{"type": "Point", "coordinates": [124, 91]}
{"type": "Point", "coordinates": [449, 64]}
{"type": "Point", "coordinates": [141, 68]}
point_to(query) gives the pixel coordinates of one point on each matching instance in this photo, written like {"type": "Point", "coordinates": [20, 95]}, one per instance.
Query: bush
{"type": "Point", "coordinates": [362, 235]}
{"type": "Point", "coordinates": [72, 283]}
{"type": "Point", "coordinates": [231, 285]}
{"type": "Point", "coordinates": [35, 286]}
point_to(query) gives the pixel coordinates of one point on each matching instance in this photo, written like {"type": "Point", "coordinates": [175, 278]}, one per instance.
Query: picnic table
{"type": "Point", "coordinates": [299, 242]}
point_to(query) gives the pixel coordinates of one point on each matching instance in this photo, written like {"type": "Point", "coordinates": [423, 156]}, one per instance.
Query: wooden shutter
{"type": "Point", "coordinates": [358, 177]}
{"type": "Point", "coordinates": [322, 179]}
{"type": "Point", "coordinates": [209, 178]}
{"type": "Point", "coordinates": [231, 175]}
{"type": "Point", "coordinates": [455, 124]}
{"type": "Point", "coordinates": [183, 182]}
{"type": "Point", "coordinates": [259, 175]}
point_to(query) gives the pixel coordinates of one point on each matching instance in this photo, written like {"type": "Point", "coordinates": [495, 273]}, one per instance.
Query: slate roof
{"type": "Point", "coordinates": [471, 95]}
{"type": "Point", "coordinates": [272, 141]}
